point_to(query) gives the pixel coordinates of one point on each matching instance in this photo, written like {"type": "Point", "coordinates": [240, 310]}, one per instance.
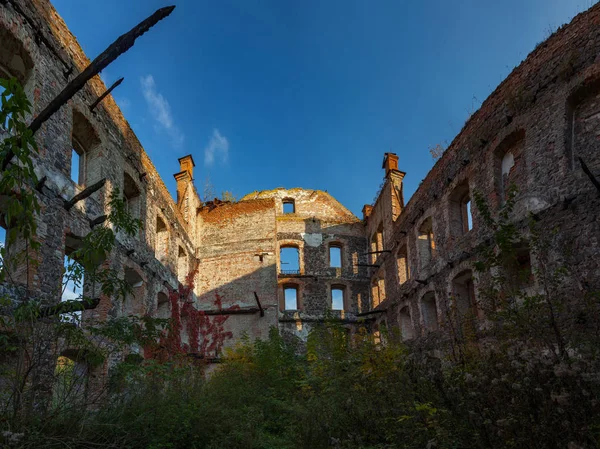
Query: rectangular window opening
{"type": "Point", "coordinates": [289, 207]}
{"type": "Point", "coordinates": [335, 256]}
{"type": "Point", "coordinates": [290, 294]}
{"type": "Point", "coordinates": [337, 298]}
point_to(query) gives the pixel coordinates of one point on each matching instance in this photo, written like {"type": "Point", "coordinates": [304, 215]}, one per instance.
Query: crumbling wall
{"type": "Point", "coordinates": [530, 131]}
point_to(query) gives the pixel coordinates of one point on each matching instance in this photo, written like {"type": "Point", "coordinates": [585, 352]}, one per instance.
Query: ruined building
{"type": "Point", "coordinates": [290, 258]}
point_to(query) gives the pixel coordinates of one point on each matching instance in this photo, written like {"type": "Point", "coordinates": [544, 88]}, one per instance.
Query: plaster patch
{"type": "Point", "coordinates": [312, 239]}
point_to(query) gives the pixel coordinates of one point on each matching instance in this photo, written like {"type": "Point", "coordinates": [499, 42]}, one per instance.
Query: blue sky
{"type": "Point", "coordinates": [270, 93]}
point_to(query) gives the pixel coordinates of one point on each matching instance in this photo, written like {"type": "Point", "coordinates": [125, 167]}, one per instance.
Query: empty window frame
{"type": "Point", "coordinates": [461, 220]}
{"type": "Point", "coordinates": [133, 302]}
{"type": "Point", "coordinates": [161, 243]}
{"type": "Point", "coordinates": [182, 265]}
{"type": "Point", "coordinates": [290, 297]}
{"type": "Point", "coordinates": [429, 312]}
{"type": "Point", "coordinates": [509, 164]}
{"type": "Point", "coordinates": [402, 265]}
{"type": "Point", "coordinates": [523, 262]}
{"type": "Point", "coordinates": [289, 259]}
{"type": "Point", "coordinates": [289, 206]}
{"type": "Point", "coordinates": [162, 306]}
{"type": "Point", "coordinates": [337, 297]}
{"type": "Point", "coordinates": [84, 142]}
{"type": "Point", "coordinates": [406, 326]}
{"type": "Point", "coordinates": [77, 162]}
{"type": "Point", "coordinates": [131, 196]}
{"type": "Point", "coordinates": [375, 299]}
{"type": "Point", "coordinates": [426, 242]}
{"type": "Point", "coordinates": [463, 292]}
{"type": "Point", "coordinates": [335, 255]}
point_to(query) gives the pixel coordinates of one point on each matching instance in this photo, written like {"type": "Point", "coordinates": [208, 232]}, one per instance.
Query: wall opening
{"type": "Point", "coordinates": [162, 240]}
{"type": "Point", "coordinates": [162, 306]}
{"type": "Point", "coordinates": [182, 265]}
{"type": "Point", "coordinates": [84, 140]}
{"type": "Point", "coordinates": [133, 302]}
{"type": "Point", "coordinates": [523, 262]}
{"type": "Point", "coordinates": [131, 196]}
{"type": "Point", "coordinates": [70, 380]}
{"type": "Point", "coordinates": [429, 311]}
{"type": "Point", "coordinates": [583, 124]}
{"type": "Point", "coordinates": [377, 291]}
{"type": "Point", "coordinates": [73, 280]}
{"type": "Point", "coordinates": [289, 259]}
{"type": "Point", "coordinates": [461, 219]}
{"type": "Point", "coordinates": [335, 255]}
{"type": "Point", "coordinates": [406, 326]}
{"type": "Point", "coordinates": [289, 206]}
{"type": "Point", "coordinates": [426, 243]}
{"type": "Point", "coordinates": [402, 265]}
{"type": "Point", "coordinates": [509, 164]}
{"type": "Point", "coordinates": [463, 292]}
{"type": "Point", "coordinates": [337, 297]}
{"type": "Point", "coordinates": [290, 297]}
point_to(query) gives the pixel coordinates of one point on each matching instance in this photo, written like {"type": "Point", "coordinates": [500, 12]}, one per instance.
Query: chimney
{"type": "Point", "coordinates": [366, 210]}
{"type": "Point", "coordinates": [186, 163]}
{"type": "Point", "coordinates": [390, 163]}
{"type": "Point", "coordinates": [185, 176]}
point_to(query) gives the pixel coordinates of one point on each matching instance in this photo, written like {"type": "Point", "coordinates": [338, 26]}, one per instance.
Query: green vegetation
{"type": "Point", "coordinates": [529, 379]}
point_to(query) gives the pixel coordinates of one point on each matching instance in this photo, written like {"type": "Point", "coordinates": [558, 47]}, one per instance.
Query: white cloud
{"type": "Point", "coordinates": [160, 110]}
{"type": "Point", "coordinates": [69, 294]}
{"type": "Point", "coordinates": [217, 148]}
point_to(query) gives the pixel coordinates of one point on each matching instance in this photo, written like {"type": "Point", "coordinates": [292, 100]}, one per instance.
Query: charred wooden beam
{"type": "Point", "coordinates": [371, 312]}
{"type": "Point", "coordinates": [69, 307]}
{"type": "Point", "coordinates": [421, 281]}
{"type": "Point", "coordinates": [116, 49]}
{"type": "Point", "coordinates": [367, 265]}
{"type": "Point", "coordinates": [244, 311]}
{"type": "Point", "coordinates": [262, 311]}
{"type": "Point", "coordinates": [98, 220]}
{"type": "Point", "coordinates": [84, 194]}
{"type": "Point", "coordinates": [589, 174]}
{"type": "Point", "coordinates": [108, 91]}
{"type": "Point", "coordinates": [377, 252]}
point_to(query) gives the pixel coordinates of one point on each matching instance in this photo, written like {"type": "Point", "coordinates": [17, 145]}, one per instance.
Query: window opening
{"type": "Point", "coordinates": [290, 293]}
{"type": "Point", "coordinates": [337, 298]}
{"type": "Point", "coordinates": [406, 326]}
{"type": "Point", "coordinates": [289, 260]}
{"type": "Point", "coordinates": [426, 242]}
{"type": "Point", "coordinates": [335, 256]}
{"type": "Point", "coordinates": [402, 262]}
{"type": "Point", "coordinates": [429, 311]}
{"type": "Point", "coordinates": [289, 207]}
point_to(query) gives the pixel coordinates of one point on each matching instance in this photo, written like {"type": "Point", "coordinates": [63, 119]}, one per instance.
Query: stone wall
{"type": "Point", "coordinates": [530, 132]}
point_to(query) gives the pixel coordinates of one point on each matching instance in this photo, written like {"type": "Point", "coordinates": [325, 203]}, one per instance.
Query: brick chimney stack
{"type": "Point", "coordinates": [185, 176]}
{"type": "Point", "coordinates": [186, 163]}
{"type": "Point", "coordinates": [390, 163]}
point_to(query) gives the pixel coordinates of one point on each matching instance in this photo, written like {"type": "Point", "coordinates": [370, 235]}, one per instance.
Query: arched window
{"type": "Point", "coordinates": [70, 379]}
{"type": "Point", "coordinates": [402, 265]}
{"type": "Point", "coordinates": [289, 259]}
{"type": "Point", "coordinates": [133, 302]}
{"type": "Point", "coordinates": [377, 291]}
{"type": "Point", "coordinates": [426, 242]}
{"type": "Point", "coordinates": [429, 311]}
{"type": "Point", "coordinates": [335, 255]}
{"type": "Point", "coordinates": [461, 220]}
{"type": "Point", "coordinates": [509, 164]}
{"type": "Point", "coordinates": [406, 326]}
{"type": "Point", "coordinates": [182, 265]}
{"type": "Point", "coordinates": [84, 141]}
{"type": "Point", "coordinates": [131, 196]}
{"type": "Point", "coordinates": [338, 293]}
{"type": "Point", "coordinates": [463, 292]}
{"type": "Point", "coordinates": [162, 240]}
{"type": "Point", "coordinates": [162, 306]}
